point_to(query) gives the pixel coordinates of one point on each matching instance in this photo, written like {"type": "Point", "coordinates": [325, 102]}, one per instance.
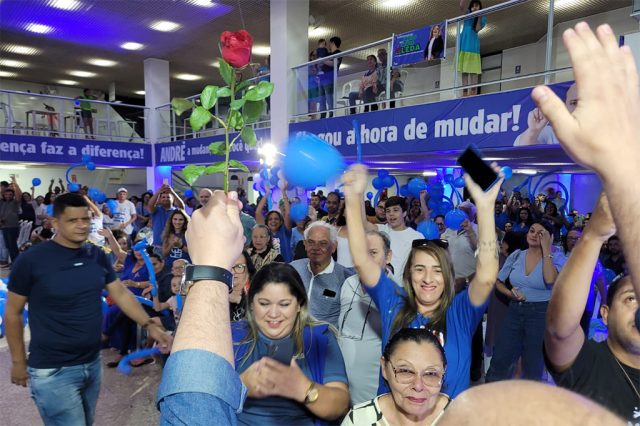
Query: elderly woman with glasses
{"type": "Point", "coordinates": [427, 298]}
{"type": "Point", "coordinates": [243, 271]}
{"type": "Point", "coordinates": [413, 364]}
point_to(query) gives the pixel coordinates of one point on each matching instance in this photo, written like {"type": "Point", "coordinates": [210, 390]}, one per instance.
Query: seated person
{"type": "Point", "coordinates": [368, 87]}
{"type": "Point", "coordinates": [42, 233]}
{"type": "Point", "coordinates": [414, 364]}
{"type": "Point", "coordinates": [290, 363]}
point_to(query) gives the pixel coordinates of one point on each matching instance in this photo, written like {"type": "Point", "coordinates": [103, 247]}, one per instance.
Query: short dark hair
{"type": "Point", "coordinates": [439, 215]}
{"type": "Point", "coordinates": [374, 58]}
{"type": "Point", "coordinates": [336, 40]}
{"type": "Point", "coordinates": [70, 199]}
{"type": "Point", "coordinates": [416, 335]}
{"type": "Point", "coordinates": [335, 194]}
{"type": "Point", "coordinates": [614, 286]}
{"type": "Point", "coordinates": [396, 201]}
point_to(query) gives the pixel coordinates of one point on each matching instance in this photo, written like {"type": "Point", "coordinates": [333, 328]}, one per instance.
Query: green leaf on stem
{"type": "Point", "coordinates": [209, 97]}
{"type": "Point", "coordinates": [243, 85]}
{"type": "Point", "coordinates": [226, 71]}
{"type": "Point", "coordinates": [237, 104]}
{"type": "Point", "coordinates": [181, 105]}
{"type": "Point", "coordinates": [238, 165]}
{"type": "Point", "coordinates": [192, 172]}
{"type": "Point", "coordinates": [199, 117]}
{"type": "Point", "coordinates": [217, 148]}
{"type": "Point", "coordinates": [249, 136]}
{"type": "Point", "coordinates": [252, 111]}
{"type": "Point", "coordinates": [216, 168]}
{"type": "Point", "coordinates": [235, 120]}
{"type": "Point", "coordinates": [263, 90]}
{"type": "Point", "coordinates": [224, 92]}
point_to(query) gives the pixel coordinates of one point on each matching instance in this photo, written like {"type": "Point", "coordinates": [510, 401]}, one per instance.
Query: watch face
{"type": "Point", "coordinates": [313, 395]}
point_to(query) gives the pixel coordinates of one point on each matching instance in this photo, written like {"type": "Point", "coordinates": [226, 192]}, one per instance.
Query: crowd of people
{"type": "Point", "coordinates": [349, 315]}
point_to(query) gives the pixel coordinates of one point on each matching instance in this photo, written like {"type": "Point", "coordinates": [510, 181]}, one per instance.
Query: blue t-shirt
{"type": "Point", "coordinates": [64, 291]}
{"type": "Point", "coordinates": [462, 320]}
{"type": "Point", "coordinates": [159, 219]}
{"type": "Point", "coordinates": [284, 235]}
{"type": "Point", "coordinates": [518, 227]}
{"type": "Point", "coordinates": [501, 219]}
{"type": "Point", "coordinates": [532, 286]}
{"type": "Point", "coordinates": [140, 275]}
{"type": "Point", "coordinates": [281, 411]}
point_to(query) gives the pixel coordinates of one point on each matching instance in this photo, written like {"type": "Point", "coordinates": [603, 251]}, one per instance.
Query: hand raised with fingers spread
{"type": "Point", "coordinates": [605, 123]}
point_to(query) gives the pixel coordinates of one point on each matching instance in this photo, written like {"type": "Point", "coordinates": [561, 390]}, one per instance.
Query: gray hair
{"type": "Point", "coordinates": [386, 242]}
{"type": "Point", "coordinates": [333, 233]}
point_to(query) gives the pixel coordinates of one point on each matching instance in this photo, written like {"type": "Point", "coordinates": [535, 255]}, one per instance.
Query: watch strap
{"type": "Point", "coordinates": [195, 273]}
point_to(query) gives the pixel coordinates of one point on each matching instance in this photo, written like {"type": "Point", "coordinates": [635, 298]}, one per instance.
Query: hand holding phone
{"type": "Point", "coordinates": [474, 166]}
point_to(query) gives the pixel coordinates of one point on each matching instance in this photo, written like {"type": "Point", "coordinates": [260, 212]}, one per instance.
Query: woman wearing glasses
{"type": "Point", "coordinates": [427, 298]}
{"type": "Point", "coordinates": [290, 363]}
{"type": "Point", "coordinates": [414, 364]}
{"type": "Point", "coordinates": [243, 271]}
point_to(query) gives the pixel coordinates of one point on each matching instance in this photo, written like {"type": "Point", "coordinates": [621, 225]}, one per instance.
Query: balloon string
{"type": "Point", "coordinates": [69, 171]}
{"type": "Point", "coordinates": [356, 131]}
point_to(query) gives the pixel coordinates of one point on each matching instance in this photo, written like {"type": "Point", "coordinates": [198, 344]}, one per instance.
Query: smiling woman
{"type": "Point", "coordinates": [290, 363]}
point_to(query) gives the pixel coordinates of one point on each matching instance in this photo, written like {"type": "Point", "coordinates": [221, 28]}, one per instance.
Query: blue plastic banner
{"type": "Point", "coordinates": [497, 120]}
{"type": "Point", "coordinates": [39, 149]}
{"type": "Point", "coordinates": [422, 44]}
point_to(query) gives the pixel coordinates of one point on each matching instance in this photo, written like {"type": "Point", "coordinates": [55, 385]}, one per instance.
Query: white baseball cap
{"type": "Point", "coordinates": [123, 189]}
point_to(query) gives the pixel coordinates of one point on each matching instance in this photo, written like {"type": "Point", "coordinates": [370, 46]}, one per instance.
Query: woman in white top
{"type": "Point", "coordinates": [413, 364]}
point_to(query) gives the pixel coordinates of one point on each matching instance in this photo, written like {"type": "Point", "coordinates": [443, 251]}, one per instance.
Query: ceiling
{"type": "Point", "coordinates": [96, 29]}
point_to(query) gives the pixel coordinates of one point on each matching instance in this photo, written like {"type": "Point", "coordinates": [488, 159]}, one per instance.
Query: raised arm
{"type": "Point", "coordinates": [153, 201]}
{"type": "Point", "coordinates": [16, 188]}
{"type": "Point", "coordinates": [286, 207]}
{"type": "Point", "coordinates": [61, 182]}
{"type": "Point", "coordinates": [563, 335]}
{"type": "Point", "coordinates": [425, 213]}
{"type": "Point", "coordinates": [355, 182]}
{"type": "Point", "coordinates": [487, 249]}
{"type": "Point", "coordinates": [96, 211]}
{"type": "Point", "coordinates": [121, 255]}
{"type": "Point", "coordinates": [177, 201]}
{"type": "Point", "coordinates": [260, 206]}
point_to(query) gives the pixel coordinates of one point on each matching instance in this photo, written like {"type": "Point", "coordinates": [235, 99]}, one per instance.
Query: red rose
{"type": "Point", "coordinates": [236, 48]}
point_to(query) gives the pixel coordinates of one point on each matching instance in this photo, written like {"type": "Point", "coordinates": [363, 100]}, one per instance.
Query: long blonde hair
{"type": "Point", "coordinates": [438, 320]}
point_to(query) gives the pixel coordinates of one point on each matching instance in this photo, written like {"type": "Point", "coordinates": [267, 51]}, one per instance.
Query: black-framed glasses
{"type": "Point", "coordinates": [239, 268]}
{"type": "Point", "coordinates": [431, 377]}
{"type": "Point", "coordinates": [425, 243]}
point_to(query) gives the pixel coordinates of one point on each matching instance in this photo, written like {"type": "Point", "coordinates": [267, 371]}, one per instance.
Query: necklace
{"type": "Point", "coordinates": [627, 377]}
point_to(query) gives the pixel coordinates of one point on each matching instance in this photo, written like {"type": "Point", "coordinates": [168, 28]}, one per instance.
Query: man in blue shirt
{"type": "Point", "coordinates": [160, 206]}
{"type": "Point", "coordinates": [199, 383]}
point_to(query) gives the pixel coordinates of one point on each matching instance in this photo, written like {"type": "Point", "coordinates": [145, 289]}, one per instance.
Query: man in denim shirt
{"type": "Point", "coordinates": [200, 385]}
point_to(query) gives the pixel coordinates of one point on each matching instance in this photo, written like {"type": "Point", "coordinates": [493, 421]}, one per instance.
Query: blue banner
{"type": "Point", "coordinates": [39, 149]}
{"type": "Point", "coordinates": [196, 151]}
{"type": "Point", "coordinates": [422, 44]}
{"type": "Point", "coordinates": [489, 121]}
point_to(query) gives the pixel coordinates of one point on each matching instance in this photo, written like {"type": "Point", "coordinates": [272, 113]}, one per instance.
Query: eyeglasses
{"type": "Point", "coordinates": [239, 268]}
{"type": "Point", "coordinates": [426, 243]}
{"type": "Point", "coordinates": [432, 377]}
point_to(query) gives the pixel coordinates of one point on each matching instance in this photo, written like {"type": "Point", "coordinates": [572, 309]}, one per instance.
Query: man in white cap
{"type": "Point", "coordinates": [125, 214]}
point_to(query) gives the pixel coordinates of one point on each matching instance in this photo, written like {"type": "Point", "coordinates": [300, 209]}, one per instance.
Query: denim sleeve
{"type": "Point", "coordinates": [198, 386]}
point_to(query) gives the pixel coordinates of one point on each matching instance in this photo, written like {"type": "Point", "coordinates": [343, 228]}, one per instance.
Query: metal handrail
{"type": "Point", "coordinates": [40, 95]}
{"type": "Point", "coordinates": [344, 53]}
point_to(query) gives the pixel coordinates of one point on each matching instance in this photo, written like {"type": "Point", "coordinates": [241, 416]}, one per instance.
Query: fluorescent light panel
{"type": "Point", "coordinates": [8, 74]}
{"type": "Point", "coordinates": [65, 4]}
{"type": "Point", "coordinates": [164, 26]}
{"type": "Point", "coordinates": [132, 45]}
{"type": "Point", "coordinates": [101, 62]}
{"type": "Point", "coordinates": [261, 50]}
{"type": "Point", "coordinates": [140, 92]}
{"type": "Point", "coordinates": [67, 82]}
{"type": "Point", "coordinates": [201, 3]}
{"type": "Point", "coordinates": [21, 50]}
{"type": "Point", "coordinates": [13, 64]}
{"type": "Point", "coordinates": [38, 28]}
{"type": "Point", "coordinates": [188, 77]}
{"type": "Point", "coordinates": [82, 74]}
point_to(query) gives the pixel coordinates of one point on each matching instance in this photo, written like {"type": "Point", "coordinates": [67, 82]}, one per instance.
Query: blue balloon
{"type": "Point", "coordinates": [404, 190]}
{"type": "Point", "coordinates": [377, 183]}
{"type": "Point", "coordinates": [298, 212]}
{"type": "Point", "coordinates": [100, 197]}
{"type": "Point", "coordinates": [382, 173]}
{"type": "Point", "coordinates": [50, 210]}
{"type": "Point", "coordinates": [188, 193]}
{"type": "Point", "coordinates": [86, 158]}
{"type": "Point", "coordinates": [506, 170]}
{"type": "Point", "coordinates": [3, 302]}
{"type": "Point", "coordinates": [91, 166]}
{"type": "Point", "coordinates": [273, 180]}
{"type": "Point", "coordinates": [454, 219]}
{"type": "Point", "coordinates": [310, 162]}
{"type": "Point", "coordinates": [388, 181]}
{"type": "Point", "coordinates": [74, 187]}
{"type": "Point", "coordinates": [93, 193]}
{"type": "Point", "coordinates": [369, 195]}
{"type": "Point", "coordinates": [112, 205]}
{"type": "Point", "coordinates": [458, 182]}
{"type": "Point", "coordinates": [448, 178]}
{"type": "Point", "coordinates": [36, 181]}
{"type": "Point", "coordinates": [415, 186]}
{"type": "Point", "coordinates": [275, 170]}
{"type": "Point", "coordinates": [445, 206]}
{"type": "Point", "coordinates": [429, 230]}
{"type": "Point", "coordinates": [264, 174]}
{"type": "Point", "coordinates": [434, 204]}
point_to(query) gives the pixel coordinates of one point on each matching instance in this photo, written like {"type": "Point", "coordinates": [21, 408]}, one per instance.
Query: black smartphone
{"type": "Point", "coordinates": [474, 166]}
{"type": "Point", "coordinates": [282, 351]}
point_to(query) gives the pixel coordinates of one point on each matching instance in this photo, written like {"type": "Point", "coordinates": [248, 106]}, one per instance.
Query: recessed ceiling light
{"type": "Point", "coordinates": [132, 45]}
{"type": "Point", "coordinates": [140, 92]}
{"type": "Point", "coordinates": [8, 74]}
{"type": "Point", "coordinates": [188, 77]}
{"type": "Point", "coordinates": [495, 158]}
{"type": "Point", "coordinates": [21, 50]}
{"type": "Point", "coordinates": [67, 82]}
{"type": "Point", "coordinates": [101, 62]}
{"type": "Point", "coordinates": [38, 28]}
{"type": "Point", "coordinates": [65, 4]}
{"type": "Point", "coordinates": [201, 3]}
{"type": "Point", "coordinates": [261, 50]}
{"type": "Point", "coordinates": [429, 173]}
{"type": "Point", "coordinates": [83, 74]}
{"type": "Point", "coordinates": [215, 64]}
{"type": "Point", "coordinates": [165, 26]}
{"type": "Point", "coordinates": [395, 4]}
{"type": "Point", "coordinates": [318, 32]}
{"type": "Point", "coordinates": [13, 64]}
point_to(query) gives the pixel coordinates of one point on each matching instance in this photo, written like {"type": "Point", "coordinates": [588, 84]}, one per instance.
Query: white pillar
{"type": "Point", "coordinates": [157, 92]}
{"type": "Point", "coordinates": [289, 44]}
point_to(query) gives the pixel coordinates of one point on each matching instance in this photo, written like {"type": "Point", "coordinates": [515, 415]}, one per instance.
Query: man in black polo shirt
{"type": "Point", "coordinates": [62, 280]}
{"type": "Point", "coordinates": [607, 372]}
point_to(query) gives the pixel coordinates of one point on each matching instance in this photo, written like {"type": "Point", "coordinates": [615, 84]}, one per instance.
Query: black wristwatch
{"type": "Point", "coordinates": [194, 273]}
